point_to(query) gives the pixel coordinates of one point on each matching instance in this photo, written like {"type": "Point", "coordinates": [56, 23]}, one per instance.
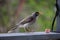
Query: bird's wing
{"type": "Point", "coordinates": [26, 20]}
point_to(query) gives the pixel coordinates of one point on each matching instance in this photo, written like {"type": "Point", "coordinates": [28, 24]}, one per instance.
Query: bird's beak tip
{"type": "Point", "coordinates": [40, 13]}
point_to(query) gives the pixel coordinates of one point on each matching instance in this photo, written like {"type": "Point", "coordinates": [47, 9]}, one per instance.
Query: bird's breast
{"type": "Point", "coordinates": [24, 25]}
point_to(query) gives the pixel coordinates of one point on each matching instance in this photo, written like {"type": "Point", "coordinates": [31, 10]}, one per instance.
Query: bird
{"type": "Point", "coordinates": [25, 23]}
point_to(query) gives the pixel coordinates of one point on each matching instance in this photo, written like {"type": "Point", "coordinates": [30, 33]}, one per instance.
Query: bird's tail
{"type": "Point", "coordinates": [12, 29]}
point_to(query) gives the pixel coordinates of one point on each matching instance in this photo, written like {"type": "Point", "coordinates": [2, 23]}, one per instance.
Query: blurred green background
{"type": "Point", "coordinates": [45, 7]}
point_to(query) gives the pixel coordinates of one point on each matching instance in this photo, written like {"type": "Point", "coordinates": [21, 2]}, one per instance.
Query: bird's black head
{"type": "Point", "coordinates": [35, 14]}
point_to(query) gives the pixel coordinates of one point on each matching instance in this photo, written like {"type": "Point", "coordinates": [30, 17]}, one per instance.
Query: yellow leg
{"type": "Point", "coordinates": [27, 29]}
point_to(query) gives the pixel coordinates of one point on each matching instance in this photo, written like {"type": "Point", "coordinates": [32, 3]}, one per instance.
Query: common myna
{"type": "Point", "coordinates": [25, 23]}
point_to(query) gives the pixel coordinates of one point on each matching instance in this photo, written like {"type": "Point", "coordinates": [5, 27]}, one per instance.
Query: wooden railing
{"type": "Point", "coordinates": [30, 36]}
